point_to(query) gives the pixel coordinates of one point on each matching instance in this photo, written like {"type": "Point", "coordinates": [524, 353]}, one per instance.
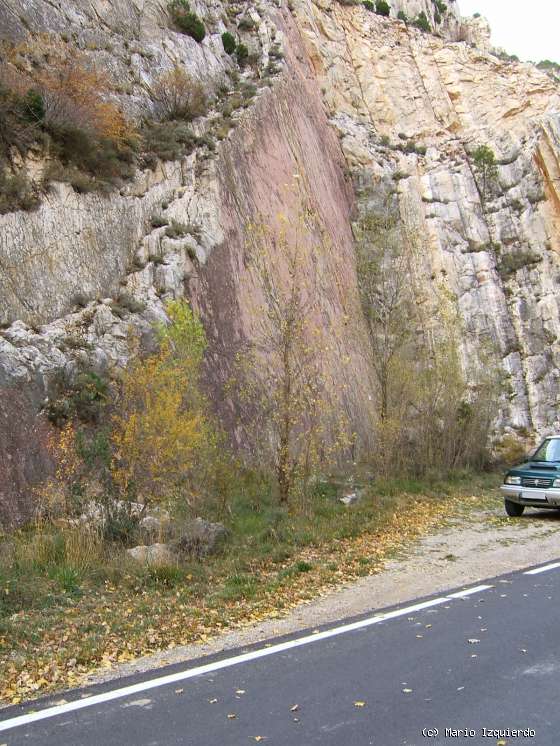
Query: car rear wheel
{"type": "Point", "coordinates": [514, 510]}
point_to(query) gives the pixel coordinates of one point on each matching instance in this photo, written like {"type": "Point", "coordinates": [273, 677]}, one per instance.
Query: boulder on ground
{"type": "Point", "coordinates": [153, 554]}
{"type": "Point", "coordinates": [200, 538]}
{"type": "Point", "coordinates": [151, 525]}
{"type": "Point", "coordinates": [351, 498]}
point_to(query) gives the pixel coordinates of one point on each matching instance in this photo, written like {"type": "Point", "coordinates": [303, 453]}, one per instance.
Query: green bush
{"type": "Point", "coordinates": [368, 5]}
{"type": "Point", "coordinates": [100, 158]}
{"type": "Point", "coordinates": [421, 22]}
{"type": "Point", "coordinates": [34, 106]}
{"type": "Point", "coordinates": [511, 263]}
{"type": "Point", "coordinates": [382, 8]}
{"type": "Point", "coordinates": [401, 15]}
{"type": "Point", "coordinates": [84, 398]}
{"type": "Point", "coordinates": [176, 230]}
{"type": "Point", "coordinates": [158, 221]}
{"type": "Point", "coordinates": [187, 21]}
{"type": "Point", "coordinates": [121, 523]}
{"type": "Point", "coordinates": [246, 24]}
{"type": "Point", "coordinates": [441, 7]}
{"type": "Point", "coordinates": [228, 40]}
{"type": "Point", "coordinates": [166, 141]}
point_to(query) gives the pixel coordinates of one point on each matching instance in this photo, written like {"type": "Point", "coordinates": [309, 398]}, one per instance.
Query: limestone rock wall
{"type": "Point", "coordinates": [282, 153]}
{"type": "Point", "coordinates": [359, 96]}
{"type": "Point", "coordinates": [386, 85]}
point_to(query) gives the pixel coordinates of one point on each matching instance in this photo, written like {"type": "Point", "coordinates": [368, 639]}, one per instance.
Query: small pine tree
{"type": "Point", "coordinates": [486, 168]}
{"type": "Point", "coordinates": [368, 5]}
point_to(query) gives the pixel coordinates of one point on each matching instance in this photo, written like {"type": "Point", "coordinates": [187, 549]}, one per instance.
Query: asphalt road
{"type": "Point", "coordinates": [489, 660]}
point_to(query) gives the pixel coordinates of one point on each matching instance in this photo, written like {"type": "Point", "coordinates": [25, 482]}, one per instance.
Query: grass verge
{"type": "Point", "coordinates": [70, 603]}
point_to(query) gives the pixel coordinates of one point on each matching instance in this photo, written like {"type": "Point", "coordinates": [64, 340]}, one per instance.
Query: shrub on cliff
{"type": "Point", "coordinates": [368, 5]}
{"type": "Point", "coordinates": [60, 109]}
{"type": "Point", "coordinates": [401, 15]}
{"type": "Point", "coordinates": [228, 41]}
{"type": "Point", "coordinates": [242, 53]}
{"type": "Point", "coordinates": [16, 193]}
{"type": "Point", "coordinates": [177, 95]}
{"type": "Point", "coordinates": [167, 141]}
{"type": "Point", "coordinates": [421, 22]}
{"type": "Point", "coordinates": [382, 8]}
{"type": "Point", "coordinates": [187, 21]}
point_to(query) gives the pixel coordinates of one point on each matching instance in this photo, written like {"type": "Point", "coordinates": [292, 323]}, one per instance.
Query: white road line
{"type": "Point", "coordinates": [125, 691]}
{"type": "Point", "coordinates": [546, 568]}
{"type": "Point", "coordinates": [470, 591]}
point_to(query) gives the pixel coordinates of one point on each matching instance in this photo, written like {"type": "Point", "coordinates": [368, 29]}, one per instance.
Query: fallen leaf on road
{"type": "Point", "coordinates": [240, 691]}
{"type": "Point", "coordinates": [501, 743]}
{"type": "Point", "coordinates": [294, 708]}
{"type": "Point", "coordinates": [359, 704]}
{"type": "Point", "coordinates": [473, 641]}
{"type": "Point", "coordinates": [407, 691]}
{"type": "Point", "coordinates": [522, 650]}
{"type": "Point", "coordinates": [419, 635]}
{"type": "Point", "coordinates": [231, 716]}
{"type": "Point", "coordinates": [259, 738]}
{"type": "Point", "coordinates": [427, 626]}
{"type": "Point", "coordinates": [212, 701]}
{"type": "Point", "coordinates": [179, 691]}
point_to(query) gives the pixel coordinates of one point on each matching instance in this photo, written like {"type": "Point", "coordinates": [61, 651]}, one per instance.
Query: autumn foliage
{"type": "Point", "coordinates": [161, 428]}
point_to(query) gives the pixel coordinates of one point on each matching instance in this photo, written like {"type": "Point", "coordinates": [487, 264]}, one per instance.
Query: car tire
{"type": "Point", "coordinates": [514, 510]}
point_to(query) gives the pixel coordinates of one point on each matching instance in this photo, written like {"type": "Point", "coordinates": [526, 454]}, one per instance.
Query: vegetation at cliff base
{"type": "Point", "coordinates": [155, 532]}
{"type": "Point", "coordinates": [71, 602]}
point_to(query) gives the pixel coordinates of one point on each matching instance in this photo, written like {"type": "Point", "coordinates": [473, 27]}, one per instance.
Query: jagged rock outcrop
{"type": "Point", "coordinates": [359, 96]}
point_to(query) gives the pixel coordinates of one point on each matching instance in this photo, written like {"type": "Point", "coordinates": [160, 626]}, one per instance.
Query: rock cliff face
{"type": "Point", "coordinates": [354, 90]}
{"type": "Point", "coordinates": [387, 84]}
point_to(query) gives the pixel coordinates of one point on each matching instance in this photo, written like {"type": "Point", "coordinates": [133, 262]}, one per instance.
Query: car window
{"type": "Point", "coordinates": [548, 451]}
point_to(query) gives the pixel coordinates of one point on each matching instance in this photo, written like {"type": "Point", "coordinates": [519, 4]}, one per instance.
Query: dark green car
{"type": "Point", "coordinates": [535, 482]}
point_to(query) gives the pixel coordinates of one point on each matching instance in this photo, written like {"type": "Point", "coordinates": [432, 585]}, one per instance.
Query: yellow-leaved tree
{"type": "Point", "coordinates": [162, 431]}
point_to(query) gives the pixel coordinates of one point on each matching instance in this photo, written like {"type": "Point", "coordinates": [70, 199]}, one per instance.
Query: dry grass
{"type": "Point", "coordinates": [69, 606]}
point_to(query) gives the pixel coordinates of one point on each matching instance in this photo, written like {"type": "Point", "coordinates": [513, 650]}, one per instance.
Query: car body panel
{"type": "Point", "coordinates": [537, 478]}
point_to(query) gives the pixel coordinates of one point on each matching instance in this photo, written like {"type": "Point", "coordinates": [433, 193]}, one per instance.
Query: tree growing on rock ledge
{"type": "Point", "coordinates": [486, 169]}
